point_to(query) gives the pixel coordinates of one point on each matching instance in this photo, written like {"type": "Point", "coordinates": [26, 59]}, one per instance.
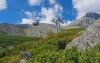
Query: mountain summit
{"type": "Point", "coordinates": [92, 15]}
{"type": "Point", "coordinates": [85, 21]}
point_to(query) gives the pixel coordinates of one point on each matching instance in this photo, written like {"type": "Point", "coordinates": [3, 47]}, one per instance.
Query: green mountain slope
{"type": "Point", "coordinates": [7, 40]}
{"type": "Point", "coordinates": [51, 49]}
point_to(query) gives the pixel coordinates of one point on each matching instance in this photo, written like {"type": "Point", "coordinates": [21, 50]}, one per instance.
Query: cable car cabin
{"type": "Point", "coordinates": [36, 23]}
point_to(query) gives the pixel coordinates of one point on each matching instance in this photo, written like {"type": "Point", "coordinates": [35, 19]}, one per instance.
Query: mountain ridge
{"type": "Point", "coordinates": [85, 21]}
{"type": "Point", "coordinates": [41, 30]}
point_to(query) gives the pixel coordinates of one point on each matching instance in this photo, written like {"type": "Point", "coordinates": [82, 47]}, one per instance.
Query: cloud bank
{"type": "Point", "coordinates": [51, 12]}
{"type": "Point", "coordinates": [47, 13]}
{"type": "Point", "coordinates": [52, 1]}
{"type": "Point", "coordinates": [35, 2]}
{"type": "Point", "coordinates": [3, 4]}
{"type": "Point", "coordinates": [85, 6]}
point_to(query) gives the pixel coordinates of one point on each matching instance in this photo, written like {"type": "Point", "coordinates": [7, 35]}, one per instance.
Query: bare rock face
{"type": "Point", "coordinates": [89, 38]}
{"type": "Point", "coordinates": [85, 21]}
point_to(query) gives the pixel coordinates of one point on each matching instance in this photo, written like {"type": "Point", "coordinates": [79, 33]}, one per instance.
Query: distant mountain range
{"type": "Point", "coordinates": [28, 30]}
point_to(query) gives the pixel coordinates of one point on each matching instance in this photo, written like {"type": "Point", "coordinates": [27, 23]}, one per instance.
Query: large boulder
{"type": "Point", "coordinates": [26, 56]}
{"type": "Point", "coordinates": [89, 38]}
{"type": "Point", "coordinates": [23, 61]}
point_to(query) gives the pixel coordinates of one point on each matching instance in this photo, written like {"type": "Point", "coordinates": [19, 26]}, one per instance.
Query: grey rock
{"type": "Point", "coordinates": [1, 48]}
{"type": "Point", "coordinates": [26, 55]}
{"type": "Point", "coordinates": [85, 21]}
{"type": "Point", "coordinates": [89, 38]}
{"type": "Point", "coordinates": [23, 61]}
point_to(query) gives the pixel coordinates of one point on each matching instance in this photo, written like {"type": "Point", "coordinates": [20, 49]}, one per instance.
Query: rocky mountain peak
{"type": "Point", "coordinates": [85, 21]}
{"type": "Point", "coordinates": [92, 15]}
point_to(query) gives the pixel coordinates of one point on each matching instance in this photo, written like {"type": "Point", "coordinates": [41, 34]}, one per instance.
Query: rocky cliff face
{"type": "Point", "coordinates": [85, 21]}
{"type": "Point", "coordinates": [89, 38]}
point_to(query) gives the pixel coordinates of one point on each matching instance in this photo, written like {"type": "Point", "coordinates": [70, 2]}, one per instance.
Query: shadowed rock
{"type": "Point", "coordinates": [26, 55]}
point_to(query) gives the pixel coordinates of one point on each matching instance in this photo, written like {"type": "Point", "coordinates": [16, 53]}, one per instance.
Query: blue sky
{"type": "Point", "coordinates": [23, 11]}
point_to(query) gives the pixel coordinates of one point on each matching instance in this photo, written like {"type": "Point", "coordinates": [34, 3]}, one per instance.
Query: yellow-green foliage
{"type": "Point", "coordinates": [11, 59]}
{"type": "Point", "coordinates": [51, 49]}
{"type": "Point", "coordinates": [6, 40]}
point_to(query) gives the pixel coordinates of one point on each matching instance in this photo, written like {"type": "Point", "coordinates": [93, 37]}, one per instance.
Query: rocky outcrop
{"type": "Point", "coordinates": [26, 56]}
{"type": "Point", "coordinates": [23, 61]}
{"type": "Point", "coordinates": [89, 38]}
{"type": "Point", "coordinates": [85, 21]}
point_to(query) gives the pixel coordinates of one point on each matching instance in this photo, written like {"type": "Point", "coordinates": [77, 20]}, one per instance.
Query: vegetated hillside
{"type": "Point", "coordinates": [52, 50]}
{"type": "Point", "coordinates": [11, 29]}
{"type": "Point", "coordinates": [85, 21]}
{"type": "Point", "coordinates": [41, 30]}
{"type": "Point", "coordinates": [7, 41]}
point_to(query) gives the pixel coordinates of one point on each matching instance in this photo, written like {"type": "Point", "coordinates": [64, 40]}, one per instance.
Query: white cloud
{"type": "Point", "coordinates": [85, 6]}
{"type": "Point", "coordinates": [58, 8]}
{"type": "Point", "coordinates": [48, 14]}
{"type": "Point", "coordinates": [29, 18]}
{"type": "Point", "coordinates": [3, 4]}
{"type": "Point", "coordinates": [52, 1]}
{"type": "Point", "coordinates": [51, 12]}
{"type": "Point", "coordinates": [35, 2]}
{"type": "Point", "coordinates": [29, 14]}
{"type": "Point", "coordinates": [26, 21]}
{"type": "Point", "coordinates": [66, 23]}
